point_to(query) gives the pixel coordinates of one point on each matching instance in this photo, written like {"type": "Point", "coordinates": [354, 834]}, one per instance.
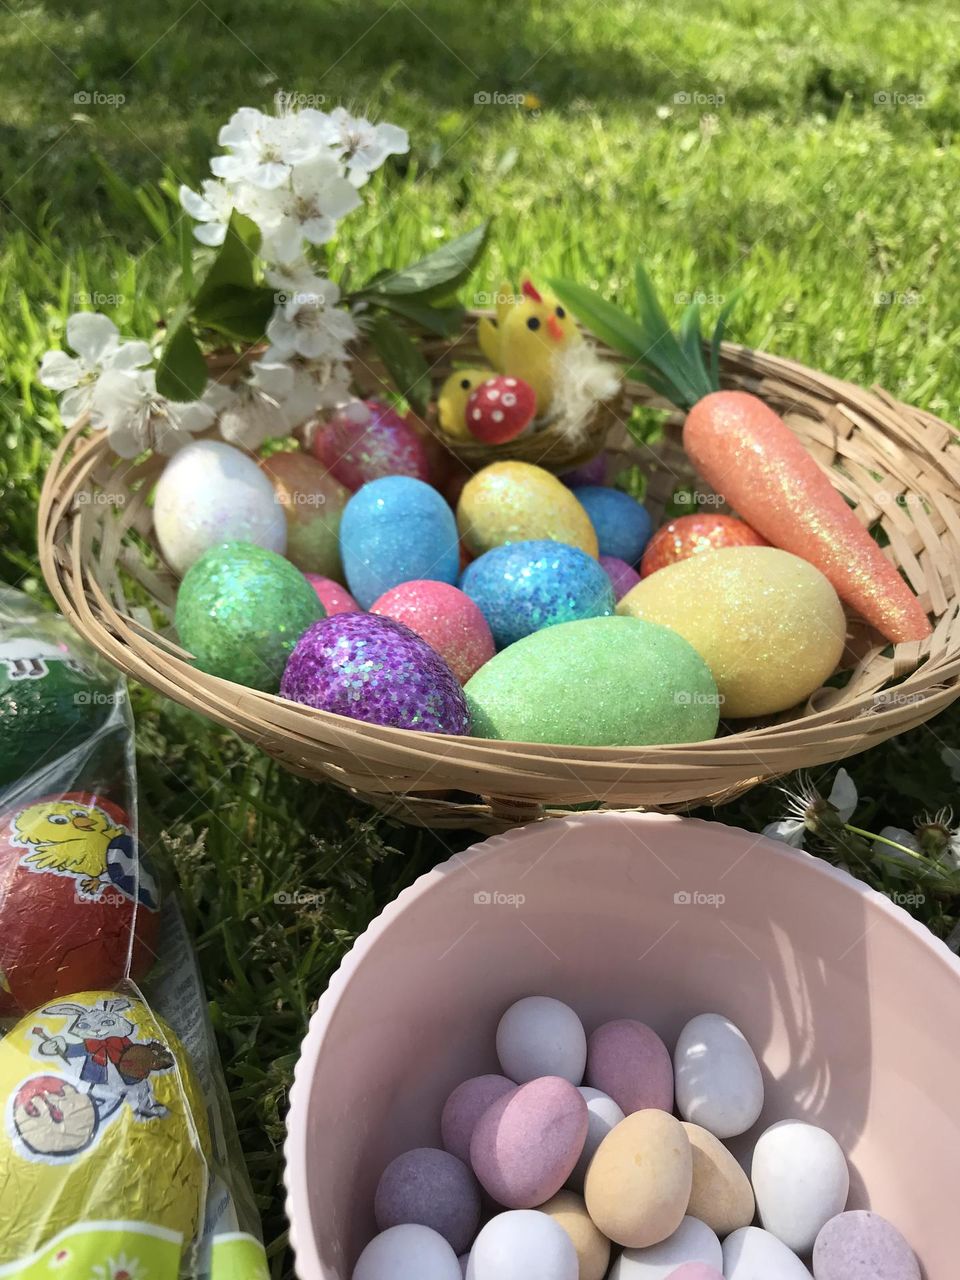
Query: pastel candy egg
{"type": "Point", "coordinates": [375, 669]}
{"type": "Point", "coordinates": [312, 503]}
{"type": "Point", "coordinates": [368, 440]}
{"type": "Point", "coordinates": [692, 535]}
{"type": "Point", "coordinates": [593, 1248]}
{"type": "Point", "coordinates": [568, 684]}
{"type": "Point", "coordinates": [540, 1036]}
{"type": "Point", "coordinates": [800, 1179]}
{"type": "Point", "coordinates": [333, 597]}
{"type": "Point", "coordinates": [622, 575]}
{"type": "Point", "coordinates": [465, 1106]}
{"type": "Point", "coordinates": [638, 1184]}
{"type": "Point", "coordinates": [525, 1145]}
{"type": "Point", "coordinates": [407, 1252]}
{"type": "Point", "coordinates": [518, 502]}
{"type": "Point", "coordinates": [692, 1243]}
{"type": "Point", "coordinates": [860, 1245]}
{"type": "Point", "coordinates": [623, 526]}
{"type": "Point", "coordinates": [718, 1080]}
{"type": "Point", "coordinates": [695, 1271]}
{"type": "Point", "coordinates": [525, 586]}
{"type": "Point", "coordinates": [396, 530]}
{"type": "Point", "coordinates": [432, 1188]}
{"type": "Point", "coordinates": [631, 1064]}
{"type": "Point", "coordinates": [753, 1254]}
{"type": "Point", "coordinates": [603, 1114]}
{"type": "Point", "coordinates": [464, 1261]}
{"type": "Point", "coordinates": [722, 1196]}
{"type": "Point", "coordinates": [522, 1245]}
{"type": "Point", "coordinates": [768, 625]}
{"type": "Point", "coordinates": [210, 493]}
{"type": "Point", "coordinates": [447, 619]}
{"type": "Point", "coordinates": [240, 611]}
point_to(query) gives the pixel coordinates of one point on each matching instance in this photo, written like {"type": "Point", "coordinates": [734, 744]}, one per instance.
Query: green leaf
{"type": "Point", "coordinates": [404, 360]}
{"type": "Point", "coordinates": [715, 341]}
{"type": "Point", "coordinates": [444, 321]}
{"type": "Point", "coordinates": [182, 371]}
{"type": "Point", "coordinates": [234, 262]}
{"type": "Point", "coordinates": [606, 321]}
{"type": "Point", "coordinates": [438, 274]}
{"type": "Point", "coordinates": [236, 311]}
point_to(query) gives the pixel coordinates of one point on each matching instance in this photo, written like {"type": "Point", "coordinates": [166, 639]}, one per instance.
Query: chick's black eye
{"type": "Point", "coordinates": [533, 323]}
{"type": "Point", "coordinates": [560, 312]}
{"type": "Point", "coordinates": [465, 383]}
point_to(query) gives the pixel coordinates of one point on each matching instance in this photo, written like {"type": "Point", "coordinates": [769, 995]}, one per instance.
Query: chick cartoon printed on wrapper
{"type": "Point", "coordinates": [103, 1067]}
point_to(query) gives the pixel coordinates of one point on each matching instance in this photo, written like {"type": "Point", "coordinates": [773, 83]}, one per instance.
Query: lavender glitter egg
{"type": "Point", "coordinates": [375, 669]}
{"type": "Point", "coordinates": [623, 576]}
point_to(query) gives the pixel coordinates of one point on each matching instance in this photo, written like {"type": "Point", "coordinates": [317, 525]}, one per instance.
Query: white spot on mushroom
{"type": "Point", "coordinates": [509, 399]}
{"type": "Point", "coordinates": [497, 415]}
{"type": "Point", "coordinates": [477, 415]}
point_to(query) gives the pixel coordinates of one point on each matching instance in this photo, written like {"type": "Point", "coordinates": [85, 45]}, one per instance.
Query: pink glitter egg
{"type": "Point", "coordinates": [333, 597]}
{"type": "Point", "coordinates": [367, 440]}
{"type": "Point", "coordinates": [623, 576]}
{"type": "Point", "coordinates": [447, 619]}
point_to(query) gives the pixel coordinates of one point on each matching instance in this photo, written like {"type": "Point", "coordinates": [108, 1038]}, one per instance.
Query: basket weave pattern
{"type": "Point", "coordinates": [898, 466]}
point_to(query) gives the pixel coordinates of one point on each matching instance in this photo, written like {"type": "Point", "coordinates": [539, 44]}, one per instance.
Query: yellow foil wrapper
{"type": "Point", "coordinates": [103, 1120]}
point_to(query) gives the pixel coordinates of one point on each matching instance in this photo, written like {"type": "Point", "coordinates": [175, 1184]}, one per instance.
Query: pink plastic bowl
{"type": "Point", "coordinates": [852, 1007]}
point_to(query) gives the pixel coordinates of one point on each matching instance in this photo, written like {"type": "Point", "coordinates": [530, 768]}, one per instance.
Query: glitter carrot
{"type": "Point", "coordinates": [746, 452]}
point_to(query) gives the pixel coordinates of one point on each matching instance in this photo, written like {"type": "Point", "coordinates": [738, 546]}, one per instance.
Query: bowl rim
{"type": "Point", "coordinates": [296, 1204]}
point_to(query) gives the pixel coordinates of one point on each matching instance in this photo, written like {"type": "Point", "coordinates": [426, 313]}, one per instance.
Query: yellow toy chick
{"type": "Point", "coordinates": [67, 838]}
{"type": "Point", "coordinates": [453, 397]}
{"type": "Point", "coordinates": [526, 337]}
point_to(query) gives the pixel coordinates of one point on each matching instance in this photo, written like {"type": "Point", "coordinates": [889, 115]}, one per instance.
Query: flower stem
{"type": "Point", "coordinates": [893, 844]}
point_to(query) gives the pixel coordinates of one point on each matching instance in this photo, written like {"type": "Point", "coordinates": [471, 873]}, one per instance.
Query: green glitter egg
{"type": "Point", "coordinates": [240, 611]}
{"type": "Point", "coordinates": [596, 683]}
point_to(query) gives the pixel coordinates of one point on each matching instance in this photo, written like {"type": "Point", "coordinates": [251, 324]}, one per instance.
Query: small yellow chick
{"type": "Point", "coordinates": [526, 337]}
{"type": "Point", "coordinates": [453, 397]}
{"type": "Point", "coordinates": [65, 836]}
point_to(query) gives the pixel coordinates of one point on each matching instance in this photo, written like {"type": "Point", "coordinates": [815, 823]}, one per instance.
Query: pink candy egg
{"type": "Point", "coordinates": [333, 597]}
{"type": "Point", "coordinates": [367, 440]}
{"type": "Point", "coordinates": [629, 1062]}
{"type": "Point", "coordinates": [447, 619]}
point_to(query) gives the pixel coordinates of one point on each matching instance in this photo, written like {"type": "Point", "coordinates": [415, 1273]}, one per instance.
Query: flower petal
{"type": "Point", "coordinates": [91, 335]}
{"type": "Point", "coordinates": [130, 355]}
{"type": "Point", "coordinates": [788, 831]}
{"type": "Point", "coordinates": [843, 795]}
{"type": "Point", "coordinates": [58, 371]}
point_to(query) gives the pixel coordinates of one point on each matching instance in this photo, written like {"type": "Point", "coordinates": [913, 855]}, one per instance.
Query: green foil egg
{"type": "Point", "coordinates": [240, 611]}
{"type": "Point", "coordinates": [596, 683]}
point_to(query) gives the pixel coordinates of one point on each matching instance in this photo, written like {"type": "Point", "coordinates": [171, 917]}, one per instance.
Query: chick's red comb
{"type": "Point", "coordinates": [529, 291]}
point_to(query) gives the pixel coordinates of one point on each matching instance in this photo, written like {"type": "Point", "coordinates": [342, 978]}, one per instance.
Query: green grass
{"type": "Point", "coordinates": [799, 187]}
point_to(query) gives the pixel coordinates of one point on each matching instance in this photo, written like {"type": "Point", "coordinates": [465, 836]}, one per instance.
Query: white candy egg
{"type": "Point", "coordinates": [603, 1114]}
{"type": "Point", "coordinates": [718, 1080]}
{"type": "Point", "coordinates": [693, 1241]}
{"type": "Point", "coordinates": [522, 1244]}
{"type": "Point", "coordinates": [407, 1252]}
{"type": "Point", "coordinates": [539, 1036]}
{"type": "Point", "coordinates": [800, 1179]}
{"type": "Point", "coordinates": [752, 1254]}
{"type": "Point", "coordinates": [210, 493]}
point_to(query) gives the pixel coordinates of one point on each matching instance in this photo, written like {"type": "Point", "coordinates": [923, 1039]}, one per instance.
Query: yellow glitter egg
{"type": "Point", "coordinates": [518, 502]}
{"type": "Point", "coordinates": [103, 1120]}
{"type": "Point", "coordinates": [768, 625]}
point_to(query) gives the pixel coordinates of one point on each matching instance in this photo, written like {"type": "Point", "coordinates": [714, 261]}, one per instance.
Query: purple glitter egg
{"type": "Point", "coordinates": [592, 472]}
{"type": "Point", "coordinates": [623, 576]}
{"type": "Point", "coordinates": [372, 668]}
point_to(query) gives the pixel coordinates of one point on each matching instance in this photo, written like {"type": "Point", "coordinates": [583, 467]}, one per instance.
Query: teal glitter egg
{"type": "Point", "coordinates": [240, 611]}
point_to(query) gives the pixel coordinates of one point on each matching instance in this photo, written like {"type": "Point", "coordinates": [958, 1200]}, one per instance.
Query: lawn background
{"type": "Point", "coordinates": [803, 151]}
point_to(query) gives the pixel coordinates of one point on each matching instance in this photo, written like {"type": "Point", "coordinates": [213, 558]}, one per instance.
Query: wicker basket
{"type": "Point", "coordinates": [897, 465]}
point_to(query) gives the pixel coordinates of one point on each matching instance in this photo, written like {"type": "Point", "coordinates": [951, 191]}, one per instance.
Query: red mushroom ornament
{"type": "Point", "coordinates": [500, 409]}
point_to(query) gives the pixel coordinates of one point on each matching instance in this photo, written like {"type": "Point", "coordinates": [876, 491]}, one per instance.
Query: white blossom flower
{"type": "Point", "coordinates": [211, 207]}
{"type": "Point", "coordinates": [363, 146]}
{"type": "Point", "coordinates": [306, 209]}
{"type": "Point", "coordinates": [136, 417]}
{"type": "Point", "coordinates": [264, 149]}
{"type": "Point", "coordinates": [96, 340]}
{"type": "Point", "coordinates": [311, 325]}
{"type": "Point", "coordinates": [317, 384]}
{"type": "Point", "coordinates": [255, 410]}
{"type": "Point", "coordinates": [791, 829]}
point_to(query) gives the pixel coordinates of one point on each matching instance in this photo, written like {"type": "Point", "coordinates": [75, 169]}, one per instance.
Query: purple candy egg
{"type": "Point", "coordinates": [465, 1106]}
{"type": "Point", "coordinates": [623, 576]}
{"type": "Point", "coordinates": [592, 472]}
{"type": "Point", "coordinates": [629, 1062]}
{"type": "Point", "coordinates": [431, 1188]}
{"type": "Point", "coordinates": [375, 669]}
{"type": "Point", "coordinates": [860, 1245]}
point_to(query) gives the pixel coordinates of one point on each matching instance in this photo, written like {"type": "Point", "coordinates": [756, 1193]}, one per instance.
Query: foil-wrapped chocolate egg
{"type": "Point", "coordinates": [375, 669]}
{"type": "Point", "coordinates": [518, 502]}
{"type": "Point", "coordinates": [448, 620]}
{"type": "Point", "coordinates": [313, 502]}
{"type": "Point", "coordinates": [73, 889]}
{"type": "Point", "coordinates": [367, 440]}
{"type": "Point", "coordinates": [103, 1120]}
{"type": "Point", "coordinates": [692, 535]}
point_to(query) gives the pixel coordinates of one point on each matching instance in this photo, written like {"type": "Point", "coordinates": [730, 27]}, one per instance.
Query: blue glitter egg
{"type": "Point", "coordinates": [397, 529]}
{"type": "Point", "coordinates": [522, 587]}
{"type": "Point", "coordinates": [622, 525]}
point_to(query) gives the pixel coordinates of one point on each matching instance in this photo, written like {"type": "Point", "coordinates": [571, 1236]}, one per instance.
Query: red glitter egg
{"type": "Point", "coordinates": [689, 535]}
{"type": "Point", "coordinates": [367, 440]}
{"type": "Point", "coordinates": [446, 618]}
{"type": "Point", "coordinates": [71, 889]}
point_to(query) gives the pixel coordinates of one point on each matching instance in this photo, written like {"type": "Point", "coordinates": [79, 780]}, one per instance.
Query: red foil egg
{"type": "Point", "coordinates": [367, 440]}
{"type": "Point", "coordinates": [690, 535]}
{"type": "Point", "coordinates": [71, 890]}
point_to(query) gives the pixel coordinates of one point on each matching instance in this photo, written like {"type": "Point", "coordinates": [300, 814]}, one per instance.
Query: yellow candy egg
{"type": "Point", "coordinates": [768, 625]}
{"type": "Point", "coordinates": [518, 502]}
{"type": "Point", "coordinates": [453, 397]}
{"type": "Point", "coordinates": [102, 1120]}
